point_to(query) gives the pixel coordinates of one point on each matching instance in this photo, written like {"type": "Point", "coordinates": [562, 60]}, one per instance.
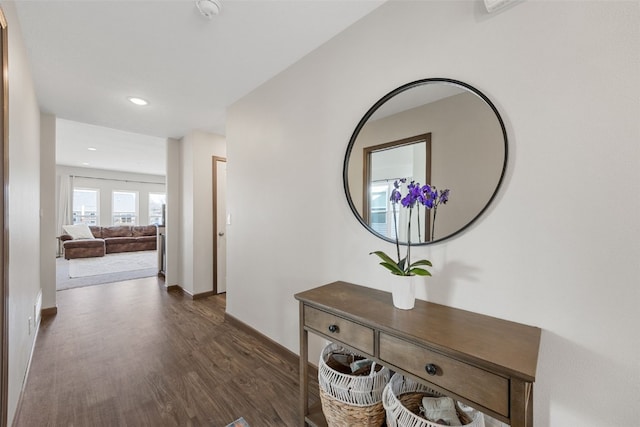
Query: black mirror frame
{"type": "Point", "coordinates": [374, 108]}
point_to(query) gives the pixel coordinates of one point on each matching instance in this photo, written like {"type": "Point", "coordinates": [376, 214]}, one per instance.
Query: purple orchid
{"type": "Point", "coordinates": [427, 196]}
{"type": "Point", "coordinates": [414, 195]}
{"type": "Point", "coordinates": [444, 196]}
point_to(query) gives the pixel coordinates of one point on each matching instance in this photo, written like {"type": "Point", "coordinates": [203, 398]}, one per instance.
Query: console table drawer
{"type": "Point", "coordinates": [480, 386]}
{"type": "Point", "coordinates": [353, 334]}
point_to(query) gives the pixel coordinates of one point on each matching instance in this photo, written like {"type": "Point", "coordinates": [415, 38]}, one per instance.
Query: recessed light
{"type": "Point", "coordinates": [85, 164]}
{"type": "Point", "coordinates": [92, 149]}
{"type": "Point", "coordinates": [138, 101]}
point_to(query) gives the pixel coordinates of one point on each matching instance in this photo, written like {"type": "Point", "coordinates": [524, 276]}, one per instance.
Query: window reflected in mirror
{"type": "Point", "coordinates": [384, 164]}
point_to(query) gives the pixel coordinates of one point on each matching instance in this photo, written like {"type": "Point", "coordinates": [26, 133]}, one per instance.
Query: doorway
{"type": "Point", "coordinates": [220, 222]}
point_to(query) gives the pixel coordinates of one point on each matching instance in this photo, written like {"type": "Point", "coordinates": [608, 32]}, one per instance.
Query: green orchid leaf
{"type": "Point", "coordinates": [422, 262]}
{"type": "Point", "coordinates": [384, 257]}
{"type": "Point", "coordinates": [419, 272]}
{"type": "Point", "coordinates": [388, 262]}
{"type": "Point", "coordinates": [400, 268]}
{"type": "Point", "coordinates": [392, 268]}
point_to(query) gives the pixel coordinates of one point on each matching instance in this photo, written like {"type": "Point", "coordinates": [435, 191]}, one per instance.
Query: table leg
{"type": "Point", "coordinates": [304, 374]}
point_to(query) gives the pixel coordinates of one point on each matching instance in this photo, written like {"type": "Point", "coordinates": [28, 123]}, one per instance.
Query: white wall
{"type": "Point", "coordinates": [196, 215]}
{"type": "Point", "coordinates": [48, 242]}
{"type": "Point", "coordinates": [173, 212]}
{"type": "Point", "coordinates": [559, 247]}
{"type": "Point", "coordinates": [23, 208]}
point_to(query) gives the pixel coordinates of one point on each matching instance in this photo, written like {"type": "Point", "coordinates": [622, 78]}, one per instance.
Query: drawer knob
{"type": "Point", "coordinates": [333, 328]}
{"type": "Point", "coordinates": [431, 369]}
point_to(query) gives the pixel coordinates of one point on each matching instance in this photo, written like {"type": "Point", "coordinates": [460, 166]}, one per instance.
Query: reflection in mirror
{"type": "Point", "coordinates": [435, 131]}
{"type": "Point", "coordinates": [384, 164]}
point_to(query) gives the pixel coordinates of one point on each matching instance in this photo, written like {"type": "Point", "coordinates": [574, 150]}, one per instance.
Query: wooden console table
{"type": "Point", "coordinates": [485, 362]}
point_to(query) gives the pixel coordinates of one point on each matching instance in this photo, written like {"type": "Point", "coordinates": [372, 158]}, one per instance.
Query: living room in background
{"type": "Point", "coordinates": [86, 206]}
{"type": "Point", "coordinates": [125, 207]}
{"type": "Point", "coordinates": [127, 197]}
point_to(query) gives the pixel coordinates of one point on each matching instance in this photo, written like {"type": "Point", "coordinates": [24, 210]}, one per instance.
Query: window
{"type": "Point", "coordinates": [386, 217]}
{"type": "Point", "coordinates": [157, 202]}
{"type": "Point", "coordinates": [125, 207]}
{"type": "Point", "coordinates": [380, 207]}
{"type": "Point", "coordinates": [85, 206]}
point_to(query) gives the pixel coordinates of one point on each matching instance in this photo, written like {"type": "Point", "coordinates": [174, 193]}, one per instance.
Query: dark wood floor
{"type": "Point", "coordinates": [133, 354]}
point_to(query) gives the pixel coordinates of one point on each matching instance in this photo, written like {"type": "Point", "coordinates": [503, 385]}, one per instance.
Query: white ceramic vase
{"type": "Point", "coordinates": [403, 291]}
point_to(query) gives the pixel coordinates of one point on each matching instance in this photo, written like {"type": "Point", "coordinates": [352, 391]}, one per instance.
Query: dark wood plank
{"type": "Point", "coordinates": [133, 354]}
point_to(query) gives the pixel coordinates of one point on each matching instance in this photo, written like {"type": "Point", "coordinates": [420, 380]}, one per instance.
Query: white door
{"type": "Point", "coordinates": [220, 168]}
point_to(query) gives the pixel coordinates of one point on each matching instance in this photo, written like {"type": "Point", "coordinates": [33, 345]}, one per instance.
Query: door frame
{"type": "Point", "coordinates": [4, 223]}
{"type": "Point", "coordinates": [214, 180]}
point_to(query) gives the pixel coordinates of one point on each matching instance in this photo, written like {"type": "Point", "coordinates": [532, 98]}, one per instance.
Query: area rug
{"type": "Point", "coordinates": [64, 281]}
{"type": "Point", "coordinates": [240, 422]}
{"type": "Point", "coordinates": [112, 263]}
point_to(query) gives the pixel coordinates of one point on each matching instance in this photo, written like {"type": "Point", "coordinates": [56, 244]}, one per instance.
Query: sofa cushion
{"type": "Point", "coordinates": [111, 241]}
{"type": "Point", "coordinates": [132, 247]}
{"type": "Point", "coordinates": [97, 250]}
{"type": "Point", "coordinates": [144, 230]}
{"type": "Point", "coordinates": [146, 239]}
{"type": "Point", "coordinates": [96, 230]}
{"type": "Point", "coordinates": [130, 244]}
{"type": "Point", "coordinates": [84, 243]}
{"type": "Point", "coordinates": [83, 248]}
{"type": "Point", "coordinates": [78, 231]}
{"type": "Point", "coordinates": [116, 231]}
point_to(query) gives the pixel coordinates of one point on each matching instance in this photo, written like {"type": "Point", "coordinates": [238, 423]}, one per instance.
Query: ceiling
{"type": "Point", "coordinates": [87, 57]}
{"type": "Point", "coordinates": [97, 147]}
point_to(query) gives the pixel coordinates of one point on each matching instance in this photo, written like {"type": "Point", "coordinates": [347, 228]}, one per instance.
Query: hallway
{"type": "Point", "coordinates": [133, 354]}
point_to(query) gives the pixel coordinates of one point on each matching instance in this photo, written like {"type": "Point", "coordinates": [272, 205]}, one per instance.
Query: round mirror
{"type": "Point", "coordinates": [439, 132]}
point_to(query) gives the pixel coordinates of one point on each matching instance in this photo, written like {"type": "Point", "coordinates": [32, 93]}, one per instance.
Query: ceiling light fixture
{"type": "Point", "coordinates": [138, 101]}
{"type": "Point", "coordinates": [208, 8]}
{"type": "Point", "coordinates": [92, 149]}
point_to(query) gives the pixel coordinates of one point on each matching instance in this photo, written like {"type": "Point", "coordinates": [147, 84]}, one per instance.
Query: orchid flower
{"type": "Point", "coordinates": [427, 196]}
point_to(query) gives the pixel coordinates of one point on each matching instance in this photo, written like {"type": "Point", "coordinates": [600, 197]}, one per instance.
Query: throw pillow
{"type": "Point", "coordinates": [78, 231]}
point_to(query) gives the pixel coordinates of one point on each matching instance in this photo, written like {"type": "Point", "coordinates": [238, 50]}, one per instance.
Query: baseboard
{"type": "Point", "coordinates": [202, 295]}
{"type": "Point", "coordinates": [174, 288]}
{"type": "Point", "coordinates": [284, 352]}
{"type": "Point", "coordinates": [49, 311]}
{"type": "Point", "coordinates": [26, 372]}
{"type": "Point", "coordinates": [189, 294]}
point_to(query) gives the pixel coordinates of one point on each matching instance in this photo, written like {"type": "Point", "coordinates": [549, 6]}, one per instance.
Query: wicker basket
{"type": "Point", "coordinates": [402, 398]}
{"type": "Point", "coordinates": [349, 400]}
